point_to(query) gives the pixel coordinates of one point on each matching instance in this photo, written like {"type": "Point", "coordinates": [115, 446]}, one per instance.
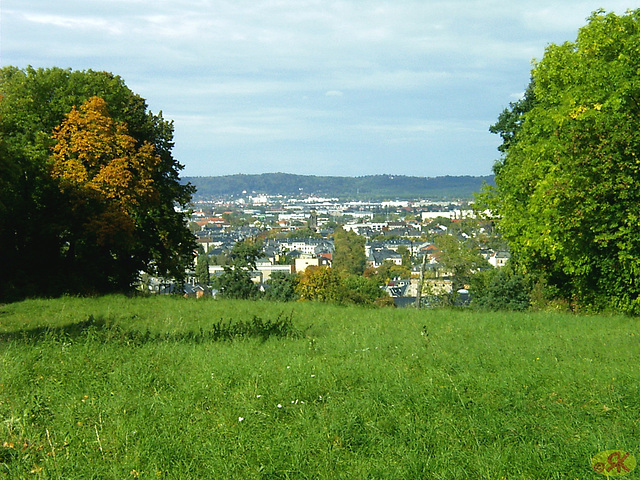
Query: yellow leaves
{"type": "Point", "coordinates": [577, 112]}
{"type": "Point", "coordinates": [95, 158]}
{"type": "Point", "coordinates": [71, 170]}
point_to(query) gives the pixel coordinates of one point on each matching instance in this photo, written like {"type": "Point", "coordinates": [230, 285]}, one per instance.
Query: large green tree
{"type": "Point", "coordinates": [568, 185]}
{"type": "Point", "coordinates": [78, 148]}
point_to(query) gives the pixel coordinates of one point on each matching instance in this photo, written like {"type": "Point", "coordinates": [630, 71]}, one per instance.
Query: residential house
{"type": "Point", "coordinates": [499, 259]}
{"type": "Point", "coordinates": [378, 257]}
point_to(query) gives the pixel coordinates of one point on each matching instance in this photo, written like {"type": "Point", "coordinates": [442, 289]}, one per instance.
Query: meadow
{"type": "Point", "coordinates": [119, 388]}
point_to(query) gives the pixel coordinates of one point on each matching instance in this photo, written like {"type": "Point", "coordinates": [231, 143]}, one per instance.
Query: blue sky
{"type": "Point", "coordinates": [344, 87]}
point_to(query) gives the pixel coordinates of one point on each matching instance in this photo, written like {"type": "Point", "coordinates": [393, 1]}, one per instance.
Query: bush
{"type": "Point", "coordinates": [501, 289]}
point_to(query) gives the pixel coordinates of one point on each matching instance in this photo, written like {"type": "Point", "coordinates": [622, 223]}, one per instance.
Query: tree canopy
{"type": "Point", "coordinates": [88, 186]}
{"type": "Point", "coordinates": [349, 255]}
{"type": "Point", "coordinates": [235, 281]}
{"type": "Point", "coordinates": [568, 183]}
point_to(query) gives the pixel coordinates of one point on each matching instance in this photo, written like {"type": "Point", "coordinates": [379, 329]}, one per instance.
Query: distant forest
{"type": "Point", "coordinates": [372, 187]}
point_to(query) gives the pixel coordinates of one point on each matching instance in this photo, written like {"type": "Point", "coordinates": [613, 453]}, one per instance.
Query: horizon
{"type": "Point", "coordinates": [333, 176]}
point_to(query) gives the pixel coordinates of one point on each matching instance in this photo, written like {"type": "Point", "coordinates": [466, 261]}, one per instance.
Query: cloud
{"type": "Point", "coordinates": [251, 79]}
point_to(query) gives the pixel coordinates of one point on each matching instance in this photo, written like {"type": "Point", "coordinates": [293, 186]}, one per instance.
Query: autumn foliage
{"type": "Point", "coordinates": [97, 162]}
{"type": "Point", "coordinates": [88, 186]}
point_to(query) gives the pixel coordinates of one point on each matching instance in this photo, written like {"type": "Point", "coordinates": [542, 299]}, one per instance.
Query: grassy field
{"type": "Point", "coordinates": [118, 388]}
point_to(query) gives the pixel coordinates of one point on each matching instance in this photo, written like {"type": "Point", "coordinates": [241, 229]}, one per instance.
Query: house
{"type": "Point", "coordinates": [306, 261]}
{"type": "Point", "coordinates": [499, 259]}
{"type": "Point", "coordinates": [398, 288]}
{"type": "Point", "coordinates": [378, 257]}
{"type": "Point", "coordinates": [266, 268]}
{"type": "Point", "coordinates": [196, 291]}
{"type": "Point", "coordinates": [309, 246]}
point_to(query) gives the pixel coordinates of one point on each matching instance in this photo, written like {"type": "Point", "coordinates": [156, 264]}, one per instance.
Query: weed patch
{"type": "Point", "coordinates": [107, 330]}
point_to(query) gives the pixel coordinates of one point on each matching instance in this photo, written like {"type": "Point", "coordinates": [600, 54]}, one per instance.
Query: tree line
{"type": "Point", "coordinates": [370, 187]}
{"type": "Point", "coordinates": [342, 283]}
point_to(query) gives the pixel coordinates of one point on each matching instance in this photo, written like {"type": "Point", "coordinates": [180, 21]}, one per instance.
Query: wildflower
{"type": "Point", "coordinates": [313, 376]}
{"type": "Point", "coordinates": [240, 419]}
{"type": "Point", "coordinates": [258, 396]}
{"type": "Point", "coordinates": [279, 405]}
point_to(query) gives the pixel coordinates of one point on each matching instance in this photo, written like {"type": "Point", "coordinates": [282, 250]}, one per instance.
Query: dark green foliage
{"type": "Point", "coordinates": [511, 119]}
{"type": "Point", "coordinates": [235, 281]}
{"type": "Point", "coordinates": [281, 327]}
{"type": "Point", "coordinates": [360, 290]}
{"type": "Point", "coordinates": [107, 331]}
{"type": "Point", "coordinates": [459, 259]}
{"type": "Point", "coordinates": [501, 289]}
{"type": "Point", "coordinates": [281, 287]}
{"type": "Point", "coordinates": [303, 232]}
{"type": "Point", "coordinates": [366, 187]}
{"type": "Point", "coordinates": [41, 250]}
{"type": "Point", "coordinates": [202, 269]}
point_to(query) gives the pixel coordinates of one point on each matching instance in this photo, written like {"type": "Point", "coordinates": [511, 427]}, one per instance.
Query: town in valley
{"type": "Point", "coordinates": [296, 232]}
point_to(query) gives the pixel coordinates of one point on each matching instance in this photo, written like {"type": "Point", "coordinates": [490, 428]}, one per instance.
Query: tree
{"type": "Point", "coordinates": [349, 255]}
{"type": "Point", "coordinates": [281, 287]}
{"type": "Point", "coordinates": [41, 204]}
{"type": "Point", "coordinates": [108, 181]}
{"type": "Point", "coordinates": [388, 271]}
{"type": "Point", "coordinates": [501, 289]}
{"type": "Point", "coordinates": [361, 290]}
{"type": "Point", "coordinates": [460, 260]}
{"type": "Point", "coordinates": [326, 284]}
{"type": "Point", "coordinates": [567, 185]}
{"type": "Point", "coordinates": [321, 284]}
{"type": "Point", "coordinates": [406, 256]}
{"type": "Point", "coordinates": [202, 269]}
{"type": "Point", "coordinates": [235, 281]}
{"type": "Point", "coordinates": [303, 232]}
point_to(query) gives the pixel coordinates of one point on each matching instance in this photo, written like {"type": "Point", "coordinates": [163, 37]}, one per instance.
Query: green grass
{"type": "Point", "coordinates": [138, 388]}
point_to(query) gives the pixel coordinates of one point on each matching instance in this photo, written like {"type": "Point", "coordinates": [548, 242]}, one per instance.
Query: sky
{"type": "Point", "coordinates": [311, 87]}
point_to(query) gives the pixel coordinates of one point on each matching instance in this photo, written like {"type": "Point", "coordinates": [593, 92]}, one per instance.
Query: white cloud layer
{"type": "Point", "coordinates": [341, 87]}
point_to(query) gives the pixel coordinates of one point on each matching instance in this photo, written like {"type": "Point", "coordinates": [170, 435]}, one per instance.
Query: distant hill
{"type": "Point", "coordinates": [372, 187]}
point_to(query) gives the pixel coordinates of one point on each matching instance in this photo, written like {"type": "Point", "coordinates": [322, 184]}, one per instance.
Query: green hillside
{"type": "Point", "coordinates": [374, 187]}
{"type": "Point", "coordinates": [116, 387]}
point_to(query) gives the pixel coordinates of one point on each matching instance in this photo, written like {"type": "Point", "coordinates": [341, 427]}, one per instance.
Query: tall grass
{"type": "Point", "coordinates": [139, 388]}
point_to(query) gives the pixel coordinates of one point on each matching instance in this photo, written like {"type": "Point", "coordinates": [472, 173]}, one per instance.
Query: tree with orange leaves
{"type": "Point", "coordinates": [108, 179]}
{"type": "Point", "coordinates": [88, 186]}
{"type": "Point", "coordinates": [98, 164]}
